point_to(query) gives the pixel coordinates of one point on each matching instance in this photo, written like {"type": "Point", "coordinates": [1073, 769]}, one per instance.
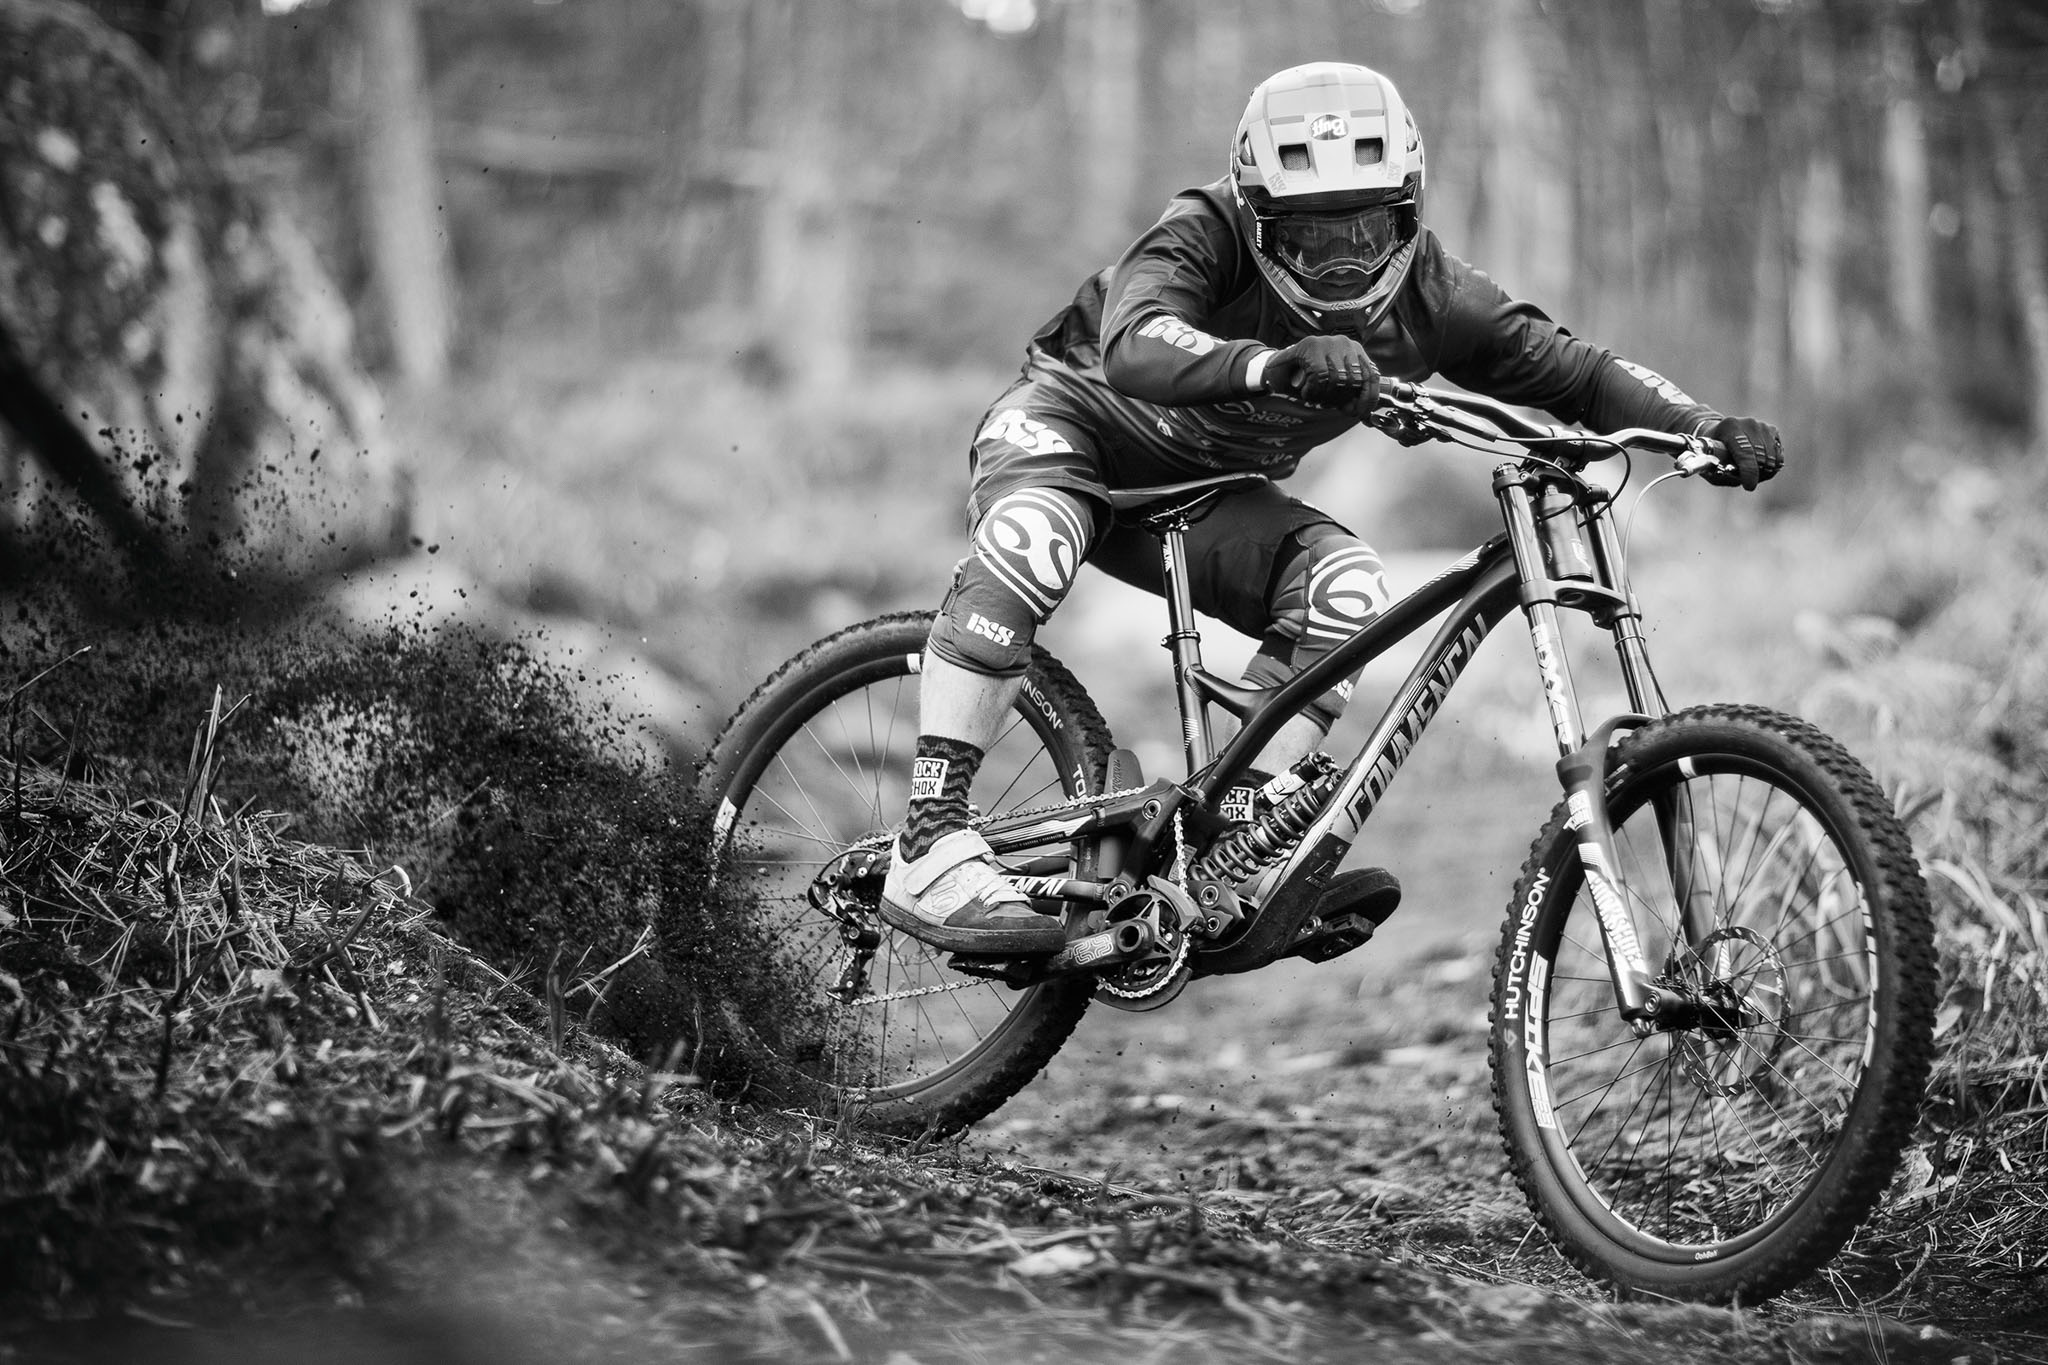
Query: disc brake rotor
{"type": "Point", "coordinates": [1737, 981]}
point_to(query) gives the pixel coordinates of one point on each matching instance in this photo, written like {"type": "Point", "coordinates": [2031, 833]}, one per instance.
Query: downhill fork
{"type": "Point", "coordinates": [1582, 758]}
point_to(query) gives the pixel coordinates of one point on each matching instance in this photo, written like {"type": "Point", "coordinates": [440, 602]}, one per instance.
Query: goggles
{"type": "Point", "coordinates": [1314, 246]}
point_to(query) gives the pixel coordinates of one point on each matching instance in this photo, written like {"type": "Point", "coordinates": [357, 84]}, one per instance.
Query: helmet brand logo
{"type": "Point", "coordinates": [1329, 128]}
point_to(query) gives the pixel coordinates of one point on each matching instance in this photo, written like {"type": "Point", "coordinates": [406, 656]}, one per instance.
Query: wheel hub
{"type": "Point", "coordinates": [1726, 1002]}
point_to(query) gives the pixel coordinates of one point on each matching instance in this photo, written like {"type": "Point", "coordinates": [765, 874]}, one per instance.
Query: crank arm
{"type": "Point", "coordinates": [1112, 947]}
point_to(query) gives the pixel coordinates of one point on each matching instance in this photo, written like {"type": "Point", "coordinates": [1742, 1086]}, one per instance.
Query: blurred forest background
{"type": "Point", "coordinates": [638, 276]}
{"type": "Point", "coordinates": [679, 304]}
{"type": "Point", "coordinates": [665, 324]}
{"type": "Point", "coordinates": [681, 312]}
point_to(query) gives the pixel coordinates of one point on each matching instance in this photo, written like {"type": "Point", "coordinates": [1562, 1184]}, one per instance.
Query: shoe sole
{"type": "Point", "coordinates": [1034, 940]}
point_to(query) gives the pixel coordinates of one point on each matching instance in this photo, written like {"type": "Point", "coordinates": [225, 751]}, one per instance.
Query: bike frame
{"type": "Point", "coordinates": [1472, 596]}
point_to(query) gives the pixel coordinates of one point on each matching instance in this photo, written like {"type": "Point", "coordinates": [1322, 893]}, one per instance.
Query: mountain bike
{"type": "Point", "coordinates": [1713, 993]}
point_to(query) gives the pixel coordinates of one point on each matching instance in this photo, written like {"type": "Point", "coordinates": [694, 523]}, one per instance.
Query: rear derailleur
{"type": "Point", "coordinates": [846, 893]}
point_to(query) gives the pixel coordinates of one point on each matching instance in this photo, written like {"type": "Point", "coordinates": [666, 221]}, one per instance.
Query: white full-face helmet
{"type": "Point", "coordinates": [1327, 166]}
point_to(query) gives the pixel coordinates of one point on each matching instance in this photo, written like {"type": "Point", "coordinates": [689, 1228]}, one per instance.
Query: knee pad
{"type": "Point", "coordinates": [1026, 550]}
{"type": "Point", "coordinates": [1334, 585]}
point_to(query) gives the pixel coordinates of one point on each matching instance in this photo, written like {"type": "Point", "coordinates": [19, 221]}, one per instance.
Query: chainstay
{"type": "Point", "coordinates": [881, 838]}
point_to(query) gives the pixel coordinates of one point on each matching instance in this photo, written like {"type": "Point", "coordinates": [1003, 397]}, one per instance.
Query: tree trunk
{"type": "Point", "coordinates": [400, 203]}
{"type": "Point", "coordinates": [1816, 299]}
{"type": "Point", "coordinates": [1681, 166]}
{"type": "Point", "coordinates": [175, 362]}
{"type": "Point", "coordinates": [2023, 229]}
{"type": "Point", "coordinates": [1911, 272]}
{"type": "Point", "coordinates": [714, 222]}
{"type": "Point", "coordinates": [1819, 226]}
{"type": "Point", "coordinates": [813, 221]}
{"type": "Point", "coordinates": [1106, 150]}
{"type": "Point", "coordinates": [1764, 379]}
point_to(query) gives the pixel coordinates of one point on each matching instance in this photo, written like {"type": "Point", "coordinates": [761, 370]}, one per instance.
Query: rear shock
{"type": "Point", "coordinates": [1300, 793]}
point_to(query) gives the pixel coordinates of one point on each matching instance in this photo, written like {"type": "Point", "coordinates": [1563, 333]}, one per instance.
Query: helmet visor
{"type": "Point", "coordinates": [1315, 246]}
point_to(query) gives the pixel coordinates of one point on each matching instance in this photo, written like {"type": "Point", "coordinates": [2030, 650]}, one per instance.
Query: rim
{"type": "Point", "coordinates": [837, 772]}
{"type": "Point", "coordinates": [1694, 1144]}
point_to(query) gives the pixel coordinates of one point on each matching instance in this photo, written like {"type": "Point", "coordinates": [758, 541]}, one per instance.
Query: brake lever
{"type": "Point", "coordinates": [1700, 457]}
{"type": "Point", "coordinates": [1403, 425]}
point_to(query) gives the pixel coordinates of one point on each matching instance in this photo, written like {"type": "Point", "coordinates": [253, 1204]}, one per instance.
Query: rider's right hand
{"type": "Point", "coordinates": [1755, 452]}
{"type": "Point", "coordinates": [1325, 371]}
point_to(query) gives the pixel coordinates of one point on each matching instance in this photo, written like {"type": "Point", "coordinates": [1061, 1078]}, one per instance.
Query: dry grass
{"type": "Point", "coordinates": [247, 1075]}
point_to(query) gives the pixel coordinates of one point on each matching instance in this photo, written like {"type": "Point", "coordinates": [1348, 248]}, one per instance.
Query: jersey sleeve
{"type": "Point", "coordinates": [1159, 296]}
{"type": "Point", "coordinates": [1511, 350]}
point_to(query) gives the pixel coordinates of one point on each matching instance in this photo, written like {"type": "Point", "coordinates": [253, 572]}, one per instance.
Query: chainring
{"type": "Point", "coordinates": [1152, 983]}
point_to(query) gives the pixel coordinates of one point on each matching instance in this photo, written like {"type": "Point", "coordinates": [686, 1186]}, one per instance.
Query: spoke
{"type": "Point", "coordinates": [1823, 1009]}
{"type": "Point", "coordinates": [1643, 1134]}
{"type": "Point", "coordinates": [1583, 1014]}
{"type": "Point", "coordinates": [1628, 1069]}
{"type": "Point", "coordinates": [1622, 1127]}
{"type": "Point", "coordinates": [1595, 1051]}
{"type": "Point", "coordinates": [1830, 1066]}
{"type": "Point", "coordinates": [857, 788]}
{"type": "Point", "coordinates": [1751, 862]}
{"type": "Point", "coordinates": [1816, 930]}
{"type": "Point", "coordinates": [782, 762]}
{"type": "Point", "coordinates": [1789, 1084]}
{"type": "Point", "coordinates": [1805, 869]}
{"type": "Point", "coordinates": [793, 833]}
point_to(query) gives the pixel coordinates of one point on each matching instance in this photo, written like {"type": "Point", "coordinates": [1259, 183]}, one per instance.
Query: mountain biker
{"type": "Point", "coordinates": [1246, 327]}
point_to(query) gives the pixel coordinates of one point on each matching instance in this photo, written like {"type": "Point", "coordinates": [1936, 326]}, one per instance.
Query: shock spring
{"type": "Point", "coordinates": [1242, 852]}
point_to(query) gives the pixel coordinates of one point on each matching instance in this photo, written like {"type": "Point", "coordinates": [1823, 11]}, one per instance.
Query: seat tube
{"type": "Point", "coordinates": [1184, 642]}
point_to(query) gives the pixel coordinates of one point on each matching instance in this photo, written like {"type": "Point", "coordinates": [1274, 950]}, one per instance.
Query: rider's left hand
{"type": "Point", "coordinates": [1755, 452]}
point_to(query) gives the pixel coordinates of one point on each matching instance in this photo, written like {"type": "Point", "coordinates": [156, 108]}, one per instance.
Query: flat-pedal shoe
{"type": "Point", "coordinates": [954, 898]}
{"type": "Point", "coordinates": [1350, 910]}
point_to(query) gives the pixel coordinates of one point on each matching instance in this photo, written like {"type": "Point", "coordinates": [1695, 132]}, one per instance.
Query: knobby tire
{"type": "Point", "coordinates": [846, 707]}
{"type": "Point", "coordinates": [1779, 1122]}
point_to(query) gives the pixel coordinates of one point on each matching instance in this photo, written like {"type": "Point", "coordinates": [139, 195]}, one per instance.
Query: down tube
{"type": "Point", "coordinates": [1489, 599]}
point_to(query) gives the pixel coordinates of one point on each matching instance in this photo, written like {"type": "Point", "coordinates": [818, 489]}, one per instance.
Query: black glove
{"type": "Point", "coordinates": [1328, 372]}
{"type": "Point", "coordinates": [1754, 452]}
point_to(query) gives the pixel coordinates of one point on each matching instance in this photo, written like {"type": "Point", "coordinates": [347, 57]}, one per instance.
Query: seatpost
{"type": "Point", "coordinates": [1184, 642]}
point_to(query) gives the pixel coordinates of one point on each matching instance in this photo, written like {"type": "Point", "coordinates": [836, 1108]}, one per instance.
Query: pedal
{"type": "Point", "coordinates": [1351, 909]}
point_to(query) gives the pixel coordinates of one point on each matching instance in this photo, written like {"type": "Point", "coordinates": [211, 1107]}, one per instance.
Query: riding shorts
{"type": "Point", "coordinates": [1268, 565]}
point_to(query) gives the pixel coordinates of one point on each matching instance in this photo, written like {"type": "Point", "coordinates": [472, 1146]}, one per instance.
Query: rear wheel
{"type": "Point", "coordinates": [1771, 886]}
{"type": "Point", "coordinates": [818, 760]}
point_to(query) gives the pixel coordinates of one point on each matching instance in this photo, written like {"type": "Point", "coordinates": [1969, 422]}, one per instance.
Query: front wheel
{"type": "Point", "coordinates": [817, 761]}
{"type": "Point", "coordinates": [1770, 885]}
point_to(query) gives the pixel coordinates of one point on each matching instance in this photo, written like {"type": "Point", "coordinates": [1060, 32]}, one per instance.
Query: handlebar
{"type": "Point", "coordinates": [1411, 411]}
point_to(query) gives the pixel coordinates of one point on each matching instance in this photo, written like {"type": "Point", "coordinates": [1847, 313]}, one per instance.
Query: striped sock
{"type": "Point", "coordinates": [939, 778]}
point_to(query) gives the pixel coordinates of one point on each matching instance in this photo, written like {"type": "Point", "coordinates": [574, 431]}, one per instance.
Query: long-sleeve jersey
{"type": "Point", "coordinates": [1156, 349]}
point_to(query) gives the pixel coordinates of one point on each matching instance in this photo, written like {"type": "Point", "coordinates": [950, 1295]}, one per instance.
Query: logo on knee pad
{"type": "Point", "coordinates": [991, 630]}
{"type": "Point", "coordinates": [1345, 591]}
{"type": "Point", "coordinates": [1031, 541]}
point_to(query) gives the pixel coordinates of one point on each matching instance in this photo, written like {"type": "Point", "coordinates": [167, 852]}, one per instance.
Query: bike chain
{"type": "Point", "coordinates": [1160, 978]}
{"type": "Point", "coordinates": [940, 989]}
